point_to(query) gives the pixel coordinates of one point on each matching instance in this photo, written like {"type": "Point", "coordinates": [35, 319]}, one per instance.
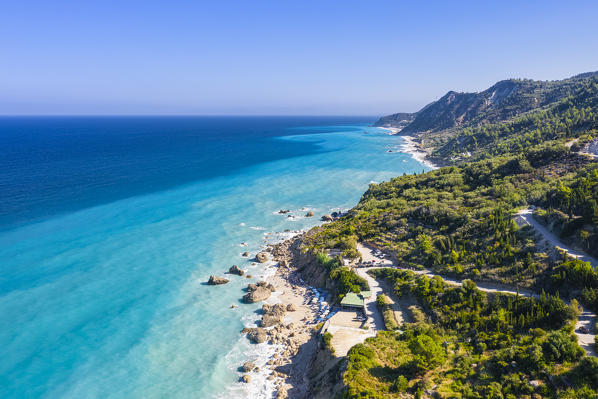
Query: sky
{"type": "Point", "coordinates": [279, 57]}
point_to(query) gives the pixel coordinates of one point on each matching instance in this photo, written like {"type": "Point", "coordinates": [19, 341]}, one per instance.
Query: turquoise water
{"type": "Point", "coordinates": [109, 301]}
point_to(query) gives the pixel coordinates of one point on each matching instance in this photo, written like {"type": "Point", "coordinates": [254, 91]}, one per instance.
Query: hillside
{"type": "Point", "coordinates": [398, 120]}
{"type": "Point", "coordinates": [504, 100]}
{"type": "Point", "coordinates": [514, 146]}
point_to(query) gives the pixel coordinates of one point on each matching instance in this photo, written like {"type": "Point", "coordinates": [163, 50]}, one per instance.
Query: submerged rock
{"type": "Point", "coordinates": [217, 280]}
{"type": "Point", "coordinates": [236, 270]}
{"type": "Point", "coordinates": [262, 257]}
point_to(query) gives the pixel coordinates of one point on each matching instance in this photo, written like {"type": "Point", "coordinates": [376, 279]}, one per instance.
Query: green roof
{"type": "Point", "coordinates": [352, 299]}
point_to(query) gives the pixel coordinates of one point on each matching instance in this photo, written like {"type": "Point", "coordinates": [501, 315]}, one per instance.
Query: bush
{"type": "Point", "coordinates": [327, 339]}
{"type": "Point", "coordinates": [427, 352]}
{"type": "Point", "coordinates": [401, 384]}
{"type": "Point", "coordinates": [561, 346]}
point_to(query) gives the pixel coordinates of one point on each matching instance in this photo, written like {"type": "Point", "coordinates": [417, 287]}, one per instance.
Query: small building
{"type": "Point", "coordinates": [354, 301]}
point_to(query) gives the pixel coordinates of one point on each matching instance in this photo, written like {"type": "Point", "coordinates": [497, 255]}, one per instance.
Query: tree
{"type": "Point", "coordinates": [584, 235]}
{"type": "Point", "coordinates": [561, 346]}
{"type": "Point", "coordinates": [427, 352]}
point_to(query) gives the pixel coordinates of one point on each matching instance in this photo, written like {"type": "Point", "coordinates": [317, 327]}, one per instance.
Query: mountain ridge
{"type": "Point", "coordinates": [504, 100]}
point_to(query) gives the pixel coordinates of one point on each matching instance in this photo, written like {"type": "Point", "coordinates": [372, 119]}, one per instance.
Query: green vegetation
{"type": "Point", "coordinates": [460, 221]}
{"type": "Point", "coordinates": [383, 303]}
{"type": "Point", "coordinates": [344, 279]}
{"type": "Point", "coordinates": [327, 339]}
{"type": "Point", "coordinates": [476, 345]}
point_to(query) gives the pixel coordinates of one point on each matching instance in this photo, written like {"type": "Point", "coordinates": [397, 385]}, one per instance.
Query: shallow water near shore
{"type": "Point", "coordinates": [111, 301]}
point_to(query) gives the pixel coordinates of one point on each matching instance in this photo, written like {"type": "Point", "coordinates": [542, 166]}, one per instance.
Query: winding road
{"type": "Point", "coordinates": [587, 319]}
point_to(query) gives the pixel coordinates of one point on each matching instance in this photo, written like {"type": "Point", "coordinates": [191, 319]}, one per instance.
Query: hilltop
{"type": "Point", "coordinates": [504, 100]}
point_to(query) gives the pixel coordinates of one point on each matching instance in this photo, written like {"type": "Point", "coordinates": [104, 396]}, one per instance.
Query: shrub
{"type": "Point", "coordinates": [327, 339]}
{"type": "Point", "coordinates": [561, 346]}
{"type": "Point", "coordinates": [401, 384]}
{"type": "Point", "coordinates": [427, 352]}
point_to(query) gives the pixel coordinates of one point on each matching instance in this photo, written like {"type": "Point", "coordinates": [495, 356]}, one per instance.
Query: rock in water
{"type": "Point", "coordinates": [269, 320]}
{"type": "Point", "coordinates": [236, 270]}
{"type": "Point", "coordinates": [273, 314]}
{"type": "Point", "coordinates": [256, 335]}
{"type": "Point", "coordinates": [217, 280]}
{"type": "Point", "coordinates": [327, 218]}
{"type": "Point", "coordinates": [245, 254]}
{"type": "Point", "coordinates": [309, 214]}
{"type": "Point", "coordinates": [246, 378]}
{"type": "Point", "coordinates": [259, 294]}
{"type": "Point", "coordinates": [248, 366]}
{"type": "Point", "coordinates": [262, 257]}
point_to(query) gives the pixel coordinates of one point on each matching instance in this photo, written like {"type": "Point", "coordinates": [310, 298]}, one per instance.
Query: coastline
{"type": "Point", "coordinates": [293, 340]}
{"type": "Point", "coordinates": [411, 147]}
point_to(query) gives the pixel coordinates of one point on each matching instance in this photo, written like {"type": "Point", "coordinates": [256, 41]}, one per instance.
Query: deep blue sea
{"type": "Point", "coordinates": [110, 225]}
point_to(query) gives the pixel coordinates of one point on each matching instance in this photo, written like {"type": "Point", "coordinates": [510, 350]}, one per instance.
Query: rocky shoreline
{"type": "Point", "coordinates": [287, 322]}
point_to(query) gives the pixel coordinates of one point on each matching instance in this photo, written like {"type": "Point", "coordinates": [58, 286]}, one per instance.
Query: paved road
{"type": "Point", "coordinates": [587, 318]}
{"type": "Point", "coordinates": [527, 216]}
{"type": "Point", "coordinates": [374, 315]}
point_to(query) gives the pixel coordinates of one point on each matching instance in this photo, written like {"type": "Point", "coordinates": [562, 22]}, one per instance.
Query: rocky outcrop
{"type": "Point", "coordinates": [234, 269]}
{"type": "Point", "coordinates": [262, 257]}
{"type": "Point", "coordinates": [291, 307]}
{"type": "Point", "coordinates": [256, 335]}
{"type": "Point", "coordinates": [282, 393]}
{"type": "Point", "coordinates": [309, 214]}
{"type": "Point", "coordinates": [327, 218]}
{"type": "Point", "coordinates": [259, 294]}
{"type": "Point", "coordinates": [246, 378]}
{"type": "Point", "coordinates": [273, 315]}
{"type": "Point", "coordinates": [214, 280]}
{"type": "Point", "coordinates": [245, 254]}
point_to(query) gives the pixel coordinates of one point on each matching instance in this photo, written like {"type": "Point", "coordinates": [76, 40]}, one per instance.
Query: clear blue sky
{"type": "Point", "coordinates": [279, 57]}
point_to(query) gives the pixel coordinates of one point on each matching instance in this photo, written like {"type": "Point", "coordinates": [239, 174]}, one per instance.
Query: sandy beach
{"type": "Point", "coordinates": [391, 130]}
{"type": "Point", "coordinates": [411, 147]}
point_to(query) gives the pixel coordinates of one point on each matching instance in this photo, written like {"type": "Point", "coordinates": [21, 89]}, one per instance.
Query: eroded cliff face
{"type": "Point", "coordinates": [291, 253]}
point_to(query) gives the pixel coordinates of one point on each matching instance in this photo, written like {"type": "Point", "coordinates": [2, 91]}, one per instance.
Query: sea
{"type": "Point", "coordinates": [111, 226]}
